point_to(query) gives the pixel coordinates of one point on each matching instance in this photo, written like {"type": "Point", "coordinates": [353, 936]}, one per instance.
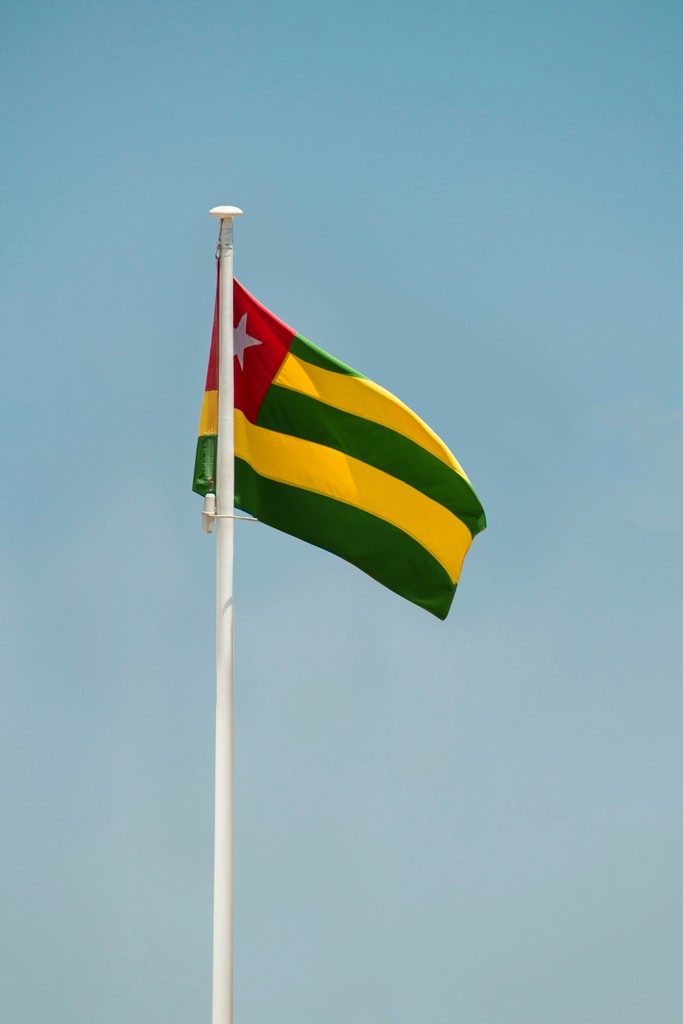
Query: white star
{"type": "Point", "coordinates": [243, 341]}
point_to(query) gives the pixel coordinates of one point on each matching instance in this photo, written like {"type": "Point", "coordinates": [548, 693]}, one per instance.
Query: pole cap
{"type": "Point", "coordinates": [223, 212]}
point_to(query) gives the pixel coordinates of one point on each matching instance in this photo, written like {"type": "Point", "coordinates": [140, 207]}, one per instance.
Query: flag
{"type": "Point", "coordinates": [326, 455]}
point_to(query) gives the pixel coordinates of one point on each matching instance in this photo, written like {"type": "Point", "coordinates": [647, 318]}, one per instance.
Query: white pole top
{"type": "Point", "coordinates": [225, 211]}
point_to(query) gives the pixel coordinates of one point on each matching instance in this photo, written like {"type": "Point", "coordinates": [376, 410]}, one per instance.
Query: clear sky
{"type": "Point", "coordinates": [479, 205]}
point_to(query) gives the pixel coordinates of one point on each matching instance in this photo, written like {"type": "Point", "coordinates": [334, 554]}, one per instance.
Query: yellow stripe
{"type": "Point", "coordinates": [362, 398]}
{"type": "Point", "coordinates": [208, 421]}
{"type": "Point", "coordinates": [314, 467]}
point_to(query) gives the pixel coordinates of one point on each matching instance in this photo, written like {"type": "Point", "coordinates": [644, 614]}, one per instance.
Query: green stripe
{"type": "Point", "coordinates": [310, 353]}
{"type": "Point", "coordinates": [289, 412]}
{"type": "Point", "coordinates": [381, 550]}
{"type": "Point", "coordinates": [204, 479]}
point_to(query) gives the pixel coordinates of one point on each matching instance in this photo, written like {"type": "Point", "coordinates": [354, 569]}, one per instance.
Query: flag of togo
{"type": "Point", "coordinates": [326, 455]}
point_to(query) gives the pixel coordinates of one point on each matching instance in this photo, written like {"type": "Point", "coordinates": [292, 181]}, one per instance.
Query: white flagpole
{"type": "Point", "coordinates": [222, 998]}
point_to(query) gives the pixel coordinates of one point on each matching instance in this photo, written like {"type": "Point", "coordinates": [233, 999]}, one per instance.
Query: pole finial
{"type": "Point", "coordinates": [225, 212]}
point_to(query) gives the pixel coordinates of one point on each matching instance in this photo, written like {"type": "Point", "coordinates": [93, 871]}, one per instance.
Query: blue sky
{"type": "Point", "coordinates": [479, 206]}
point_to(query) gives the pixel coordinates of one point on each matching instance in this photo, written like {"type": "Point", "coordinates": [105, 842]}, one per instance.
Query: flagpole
{"type": "Point", "coordinates": [222, 990]}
